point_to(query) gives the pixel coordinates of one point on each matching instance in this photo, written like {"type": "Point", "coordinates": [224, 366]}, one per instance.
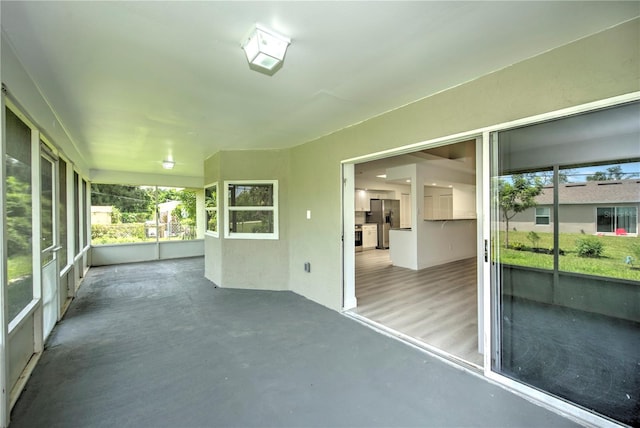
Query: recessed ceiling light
{"type": "Point", "coordinates": [434, 184]}
{"type": "Point", "coordinates": [168, 164]}
{"type": "Point", "coordinates": [382, 176]}
{"type": "Point", "coordinates": [408, 181]}
{"type": "Point", "coordinates": [450, 185]}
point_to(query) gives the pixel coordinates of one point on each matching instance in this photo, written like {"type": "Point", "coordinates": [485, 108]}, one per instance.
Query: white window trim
{"type": "Point", "coordinates": [536, 216]}
{"type": "Point", "coordinates": [208, 232]}
{"type": "Point", "coordinates": [270, 236]}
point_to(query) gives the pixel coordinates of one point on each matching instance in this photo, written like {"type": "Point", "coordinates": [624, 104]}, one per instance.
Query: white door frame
{"type": "Point", "coordinates": [348, 219]}
{"type": "Point", "coordinates": [50, 271]}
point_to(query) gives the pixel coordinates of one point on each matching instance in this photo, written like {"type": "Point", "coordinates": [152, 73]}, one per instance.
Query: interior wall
{"type": "Point", "coordinates": [601, 66]}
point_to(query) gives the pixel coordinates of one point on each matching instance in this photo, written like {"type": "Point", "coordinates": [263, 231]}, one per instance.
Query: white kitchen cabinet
{"type": "Point", "coordinates": [369, 236]}
{"type": "Point", "coordinates": [405, 210]}
{"type": "Point", "coordinates": [361, 200]}
{"type": "Point", "coordinates": [377, 195]}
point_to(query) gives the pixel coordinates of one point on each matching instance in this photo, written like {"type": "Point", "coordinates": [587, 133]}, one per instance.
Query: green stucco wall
{"type": "Point", "coordinates": [594, 68]}
{"type": "Point", "coordinates": [597, 67]}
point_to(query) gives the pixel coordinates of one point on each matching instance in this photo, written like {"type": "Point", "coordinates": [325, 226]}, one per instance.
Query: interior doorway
{"type": "Point", "coordinates": [424, 281]}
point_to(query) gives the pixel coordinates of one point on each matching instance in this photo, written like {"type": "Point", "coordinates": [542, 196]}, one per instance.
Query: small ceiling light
{"type": "Point", "coordinates": [382, 176]}
{"type": "Point", "coordinates": [167, 164]}
{"type": "Point", "coordinates": [434, 184]}
{"type": "Point", "coordinates": [265, 49]}
{"type": "Point", "coordinates": [408, 181]}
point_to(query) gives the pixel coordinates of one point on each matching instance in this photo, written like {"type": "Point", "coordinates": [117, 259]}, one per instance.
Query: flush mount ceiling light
{"type": "Point", "coordinates": [168, 164]}
{"type": "Point", "coordinates": [265, 49]}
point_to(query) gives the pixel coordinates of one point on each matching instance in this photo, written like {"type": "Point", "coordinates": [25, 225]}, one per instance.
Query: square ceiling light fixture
{"type": "Point", "coordinates": [265, 49]}
{"type": "Point", "coordinates": [168, 164]}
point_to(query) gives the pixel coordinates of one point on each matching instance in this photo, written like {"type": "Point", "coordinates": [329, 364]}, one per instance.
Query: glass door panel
{"type": "Point", "coordinates": [565, 275]}
{"type": "Point", "coordinates": [48, 208]}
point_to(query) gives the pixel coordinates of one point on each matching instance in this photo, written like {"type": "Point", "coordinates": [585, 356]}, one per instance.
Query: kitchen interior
{"type": "Point", "coordinates": [416, 247]}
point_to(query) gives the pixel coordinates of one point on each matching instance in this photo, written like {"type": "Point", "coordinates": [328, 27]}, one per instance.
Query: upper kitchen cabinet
{"type": "Point", "coordinates": [445, 203]}
{"type": "Point", "coordinates": [363, 198]}
{"type": "Point", "coordinates": [361, 201]}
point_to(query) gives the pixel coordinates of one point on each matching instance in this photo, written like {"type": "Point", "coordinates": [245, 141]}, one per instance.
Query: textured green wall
{"type": "Point", "coordinates": [594, 68]}
{"type": "Point", "coordinates": [244, 263]}
{"type": "Point", "coordinates": [597, 67]}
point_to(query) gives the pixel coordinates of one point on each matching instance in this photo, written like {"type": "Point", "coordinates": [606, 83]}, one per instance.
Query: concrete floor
{"type": "Point", "coordinates": [157, 345]}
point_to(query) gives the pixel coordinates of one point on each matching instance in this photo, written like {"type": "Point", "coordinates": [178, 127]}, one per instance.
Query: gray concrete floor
{"type": "Point", "coordinates": [157, 345]}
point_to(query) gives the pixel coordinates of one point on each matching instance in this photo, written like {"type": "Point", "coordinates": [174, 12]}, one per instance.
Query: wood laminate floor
{"type": "Point", "coordinates": [437, 305]}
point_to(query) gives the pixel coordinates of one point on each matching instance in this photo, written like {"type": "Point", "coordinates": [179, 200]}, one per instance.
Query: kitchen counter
{"type": "Point", "coordinates": [402, 248]}
{"type": "Point", "coordinates": [450, 219]}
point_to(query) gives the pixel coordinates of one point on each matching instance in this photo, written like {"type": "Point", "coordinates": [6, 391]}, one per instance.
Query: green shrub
{"type": "Point", "coordinates": [534, 238]}
{"type": "Point", "coordinates": [519, 246]}
{"type": "Point", "coordinates": [113, 233]}
{"type": "Point", "coordinates": [589, 247]}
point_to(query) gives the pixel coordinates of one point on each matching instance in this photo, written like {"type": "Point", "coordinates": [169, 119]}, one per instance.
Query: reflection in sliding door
{"type": "Point", "coordinates": [566, 253]}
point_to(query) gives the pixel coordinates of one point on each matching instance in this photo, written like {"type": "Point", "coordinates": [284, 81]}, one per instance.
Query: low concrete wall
{"type": "Point", "coordinates": [102, 255]}
{"type": "Point", "coordinates": [617, 298]}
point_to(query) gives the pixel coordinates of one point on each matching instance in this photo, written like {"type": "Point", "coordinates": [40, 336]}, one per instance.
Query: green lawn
{"type": "Point", "coordinates": [18, 266]}
{"type": "Point", "coordinates": [611, 264]}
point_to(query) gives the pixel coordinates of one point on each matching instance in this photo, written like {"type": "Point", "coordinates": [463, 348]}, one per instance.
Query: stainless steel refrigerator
{"type": "Point", "coordinates": [386, 214]}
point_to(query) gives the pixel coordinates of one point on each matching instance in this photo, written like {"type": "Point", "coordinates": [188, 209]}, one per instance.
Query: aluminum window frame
{"type": "Point", "coordinates": [216, 209]}
{"type": "Point", "coordinates": [275, 235]}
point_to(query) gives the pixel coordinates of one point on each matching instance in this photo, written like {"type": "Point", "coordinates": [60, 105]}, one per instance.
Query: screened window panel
{"type": "Point", "coordinates": [18, 211]}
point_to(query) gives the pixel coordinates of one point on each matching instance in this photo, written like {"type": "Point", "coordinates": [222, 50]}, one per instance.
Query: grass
{"type": "Point", "coordinates": [19, 266]}
{"type": "Point", "coordinates": [611, 264]}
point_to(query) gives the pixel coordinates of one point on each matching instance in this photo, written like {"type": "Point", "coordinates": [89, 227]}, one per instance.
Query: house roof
{"type": "Point", "coordinates": [594, 192]}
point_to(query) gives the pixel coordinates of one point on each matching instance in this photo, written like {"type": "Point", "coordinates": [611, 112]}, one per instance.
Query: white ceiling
{"type": "Point", "coordinates": [134, 83]}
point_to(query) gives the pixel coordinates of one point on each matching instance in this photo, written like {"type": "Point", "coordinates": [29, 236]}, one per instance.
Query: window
{"type": "Point", "coordinates": [543, 215]}
{"type": "Point", "coordinates": [83, 215]}
{"type": "Point", "coordinates": [123, 214]}
{"type": "Point", "coordinates": [62, 204]}
{"type": "Point", "coordinates": [251, 211]}
{"type": "Point", "coordinates": [617, 219]}
{"type": "Point", "coordinates": [176, 211]}
{"type": "Point", "coordinates": [76, 212]}
{"type": "Point", "coordinates": [18, 212]}
{"type": "Point", "coordinates": [211, 208]}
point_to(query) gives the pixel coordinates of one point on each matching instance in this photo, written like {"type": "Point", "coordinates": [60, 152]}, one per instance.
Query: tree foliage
{"type": "Point", "coordinates": [18, 214]}
{"type": "Point", "coordinates": [127, 199]}
{"type": "Point", "coordinates": [255, 195]}
{"type": "Point", "coordinates": [517, 195]}
{"type": "Point", "coordinates": [611, 173]}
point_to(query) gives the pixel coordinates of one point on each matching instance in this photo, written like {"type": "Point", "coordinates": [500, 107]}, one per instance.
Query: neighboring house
{"type": "Point", "coordinates": [591, 207]}
{"type": "Point", "coordinates": [101, 214]}
{"type": "Point", "coordinates": [168, 219]}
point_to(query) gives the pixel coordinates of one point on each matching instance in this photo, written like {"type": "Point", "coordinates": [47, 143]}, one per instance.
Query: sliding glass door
{"type": "Point", "coordinates": [566, 259]}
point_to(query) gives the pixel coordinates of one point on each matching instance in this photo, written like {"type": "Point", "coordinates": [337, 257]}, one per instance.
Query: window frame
{"type": "Point", "coordinates": [216, 209]}
{"type": "Point", "coordinates": [614, 218]}
{"type": "Point", "coordinates": [275, 235]}
{"type": "Point", "coordinates": [537, 216]}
